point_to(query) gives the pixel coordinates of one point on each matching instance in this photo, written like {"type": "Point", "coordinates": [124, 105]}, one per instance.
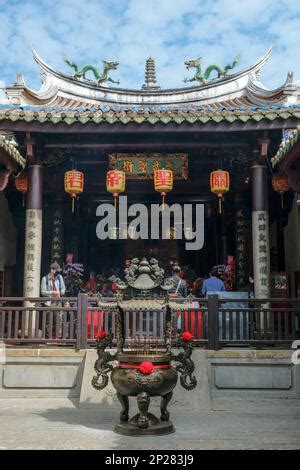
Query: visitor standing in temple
{"type": "Point", "coordinates": [249, 287]}
{"type": "Point", "coordinates": [179, 285]}
{"type": "Point", "coordinates": [213, 283]}
{"type": "Point", "coordinates": [53, 286]}
{"type": "Point", "coordinates": [179, 289]}
{"type": "Point", "coordinates": [91, 284]}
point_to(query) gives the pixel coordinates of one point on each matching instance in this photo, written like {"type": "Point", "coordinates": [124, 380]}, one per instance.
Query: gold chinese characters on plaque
{"type": "Point", "coordinates": [144, 165]}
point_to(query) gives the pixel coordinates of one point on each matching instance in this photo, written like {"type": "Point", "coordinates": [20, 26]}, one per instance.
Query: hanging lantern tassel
{"type": "Point", "coordinates": [73, 196]}
{"type": "Point", "coordinates": [281, 198]}
{"type": "Point", "coordinates": [220, 196]}
{"type": "Point", "coordinates": [115, 200]}
{"type": "Point", "coordinates": [163, 200]}
{"type": "Point", "coordinates": [74, 183]}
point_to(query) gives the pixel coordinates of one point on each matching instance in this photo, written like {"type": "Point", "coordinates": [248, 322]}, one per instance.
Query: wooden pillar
{"type": "Point", "coordinates": [224, 238]}
{"type": "Point", "coordinates": [33, 236]}
{"type": "Point", "coordinates": [242, 273]}
{"type": "Point", "coordinates": [216, 232]}
{"type": "Point", "coordinates": [260, 231]}
{"type": "Point", "coordinates": [280, 241]}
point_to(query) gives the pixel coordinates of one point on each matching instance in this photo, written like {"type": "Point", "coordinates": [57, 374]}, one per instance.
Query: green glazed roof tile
{"type": "Point", "coordinates": [141, 115]}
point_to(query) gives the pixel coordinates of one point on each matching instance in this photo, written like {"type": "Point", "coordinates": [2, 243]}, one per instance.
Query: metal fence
{"type": "Point", "coordinates": [213, 322]}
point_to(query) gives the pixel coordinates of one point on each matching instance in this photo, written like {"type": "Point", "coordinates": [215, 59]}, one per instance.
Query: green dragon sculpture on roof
{"type": "Point", "coordinates": [203, 78]}
{"type": "Point", "coordinates": [99, 77]}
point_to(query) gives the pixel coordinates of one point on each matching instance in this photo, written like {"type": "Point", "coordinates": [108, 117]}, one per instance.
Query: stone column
{"type": "Point", "coordinates": [260, 231]}
{"type": "Point", "coordinates": [33, 237]}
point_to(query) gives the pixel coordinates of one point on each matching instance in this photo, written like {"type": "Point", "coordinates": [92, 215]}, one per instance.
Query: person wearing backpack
{"type": "Point", "coordinates": [53, 286]}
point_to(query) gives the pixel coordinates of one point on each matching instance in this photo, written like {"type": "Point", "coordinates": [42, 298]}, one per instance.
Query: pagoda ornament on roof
{"type": "Point", "coordinates": [150, 76]}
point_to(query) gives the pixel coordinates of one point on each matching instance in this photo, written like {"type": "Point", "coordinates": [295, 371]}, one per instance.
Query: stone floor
{"type": "Point", "coordinates": [60, 424]}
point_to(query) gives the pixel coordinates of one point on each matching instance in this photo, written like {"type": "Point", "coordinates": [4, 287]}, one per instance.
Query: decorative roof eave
{"type": "Point", "coordinates": [200, 115]}
{"type": "Point", "coordinates": [10, 159]}
{"type": "Point", "coordinates": [57, 86]}
{"type": "Point", "coordinates": [286, 146]}
{"type": "Point", "coordinates": [259, 95]}
{"type": "Point", "coordinates": [13, 156]}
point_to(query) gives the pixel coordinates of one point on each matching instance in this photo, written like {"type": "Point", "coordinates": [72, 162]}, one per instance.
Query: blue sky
{"type": "Point", "coordinates": [171, 31]}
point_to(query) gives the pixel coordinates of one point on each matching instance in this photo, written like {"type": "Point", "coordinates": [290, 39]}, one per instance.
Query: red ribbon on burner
{"type": "Point", "coordinates": [131, 366]}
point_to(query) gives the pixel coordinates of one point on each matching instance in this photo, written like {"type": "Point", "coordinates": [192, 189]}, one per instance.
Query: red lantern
{"type": "Point", "coordinates": [163, 182]}
{"type": "Point", "coordinates": [74, 183]}
{"type": "Point", "coordinates": [115, 183]}
{"type": "Point", "coordinates": [219, 184]}
{"type": "Point", "coordinates": [280, 184]}
{"type": "Point", "coordinates": [21, 183]}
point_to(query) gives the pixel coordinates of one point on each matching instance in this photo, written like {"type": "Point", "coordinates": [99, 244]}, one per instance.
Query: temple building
{"type": "Point", "coordinates": [220, 120]}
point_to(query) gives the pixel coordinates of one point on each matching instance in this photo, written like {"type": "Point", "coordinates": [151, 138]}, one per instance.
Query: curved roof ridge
{"type": "Point", "coordinates": [58, 87]}
{"type": "Point", "coordinates": [87, 83]}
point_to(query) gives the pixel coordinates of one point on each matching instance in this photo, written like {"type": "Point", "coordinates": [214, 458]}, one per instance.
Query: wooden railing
{"type": "Point", "coordinates": [31, 320]}
{"type": "Point", "coordinates": [213, 322]}
{"type": "Point", "coordinates": [259, 322]}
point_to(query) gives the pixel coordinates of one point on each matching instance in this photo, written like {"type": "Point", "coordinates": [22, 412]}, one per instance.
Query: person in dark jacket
{"type": "Point", "coordinates": [249, 287]}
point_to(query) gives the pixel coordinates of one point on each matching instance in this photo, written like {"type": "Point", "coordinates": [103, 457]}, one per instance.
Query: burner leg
{"type": "Point", "coordinates": [124, 400]}
{"type": "Point", "coordinates": [165, 399]}
{"type": "Point", "coordinates": [143, 401]}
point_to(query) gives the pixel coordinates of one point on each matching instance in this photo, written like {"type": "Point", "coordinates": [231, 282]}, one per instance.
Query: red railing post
{"type": "Point", "coordinates": [79, 315]}
{"type": "Point", "coordinates": [84, 309]}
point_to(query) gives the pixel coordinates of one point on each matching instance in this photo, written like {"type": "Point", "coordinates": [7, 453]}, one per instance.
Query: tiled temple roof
{"type": "Point", "coordinates": [112, 114]}
{"type": "Point", "coordinates": [239, 97]}
{"type": "Point", "coordinates": [286, 146]}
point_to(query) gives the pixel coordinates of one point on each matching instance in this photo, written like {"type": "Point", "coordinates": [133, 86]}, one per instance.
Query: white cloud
{"type": "Point", "coordinates": [3, 98]}
{"type": "Point", "coordinates": [130, 30]}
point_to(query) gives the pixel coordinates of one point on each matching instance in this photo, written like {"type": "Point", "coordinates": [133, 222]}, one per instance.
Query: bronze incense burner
{"type": "Point", "coordinates": [144, 369]}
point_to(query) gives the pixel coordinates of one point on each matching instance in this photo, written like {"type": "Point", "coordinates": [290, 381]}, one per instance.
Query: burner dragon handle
{"type": "Point", "coordinates": [186, 365]}
{"type": "Point", "coordinates": [102, 365]}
